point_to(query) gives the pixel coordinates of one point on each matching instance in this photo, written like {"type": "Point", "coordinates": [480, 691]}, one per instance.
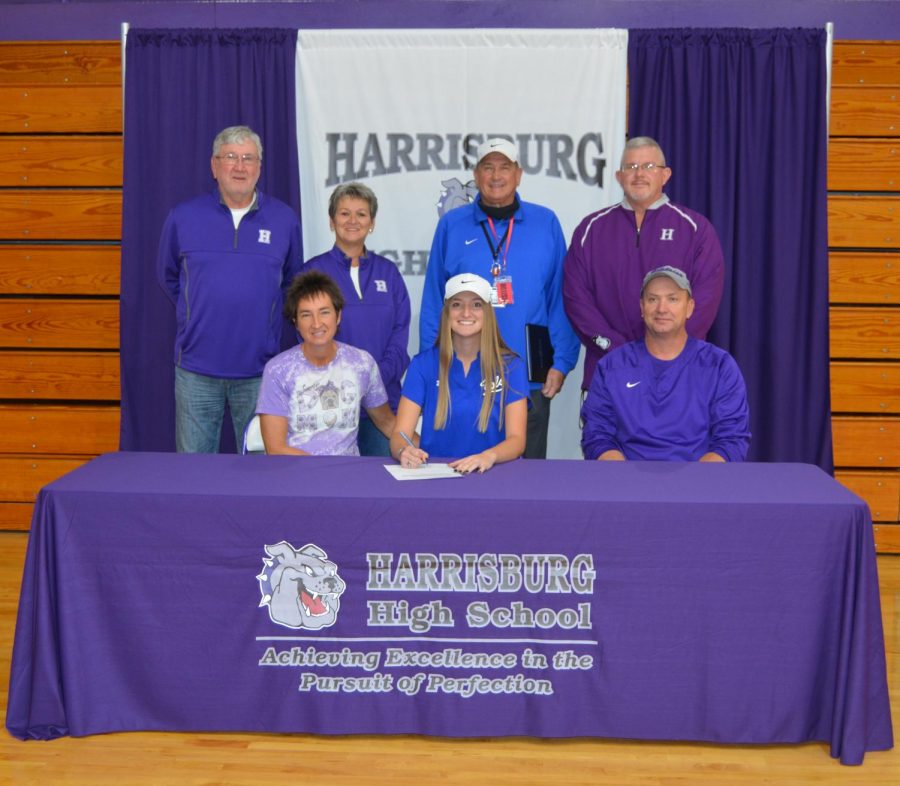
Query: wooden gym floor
{"type": "Point", "coordinates": [136, 759]}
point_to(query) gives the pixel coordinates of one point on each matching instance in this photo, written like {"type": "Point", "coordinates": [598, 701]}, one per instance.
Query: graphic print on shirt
{"type": "Point", "coordinates": [496, 385]}
{"type": "Point", "coordinates": [317, 405]}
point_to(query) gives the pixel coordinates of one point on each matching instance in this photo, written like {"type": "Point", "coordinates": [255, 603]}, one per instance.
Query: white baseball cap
{"type": "Point", "coordinates": [498, 145]}
{"type": "Point", "coordinates": [467, 282]}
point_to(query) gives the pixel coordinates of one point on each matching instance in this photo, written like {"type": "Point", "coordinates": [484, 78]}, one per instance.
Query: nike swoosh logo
{"type": "Point", "coordinates": [630, 385]}
{"type": "Point", "coordinates": [469, 242]}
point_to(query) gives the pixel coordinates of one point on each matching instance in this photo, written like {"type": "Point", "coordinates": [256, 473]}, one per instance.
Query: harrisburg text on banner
{"type": "Point", "coordinates": [403, 111]}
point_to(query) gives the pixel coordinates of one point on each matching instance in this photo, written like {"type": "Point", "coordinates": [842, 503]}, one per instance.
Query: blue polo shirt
{"type": "Point", "coordinates": [460, 437]}
{"type": "Point", "coordinates": [536, 252]}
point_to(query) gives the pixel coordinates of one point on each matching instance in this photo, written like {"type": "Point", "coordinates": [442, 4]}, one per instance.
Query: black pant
{"type": "Point", "coordinates": [538, 420]}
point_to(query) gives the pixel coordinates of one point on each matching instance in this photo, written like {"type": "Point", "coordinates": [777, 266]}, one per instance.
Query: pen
{"type": "Point", "coordinates": [409, 442]}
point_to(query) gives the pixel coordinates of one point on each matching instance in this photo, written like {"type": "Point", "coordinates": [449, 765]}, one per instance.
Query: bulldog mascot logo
{"type": "Point", "coordinates": [455, 193]}
{"type": "Point", "coordinates": [300, 586]}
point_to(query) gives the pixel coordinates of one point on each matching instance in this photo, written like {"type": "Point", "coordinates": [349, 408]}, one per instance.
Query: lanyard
{"type": "Point", "coordinates": [496, 267]}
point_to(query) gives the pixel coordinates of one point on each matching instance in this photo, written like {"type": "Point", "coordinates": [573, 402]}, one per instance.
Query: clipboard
{"type": "Point", "coordinates": [538, 352]}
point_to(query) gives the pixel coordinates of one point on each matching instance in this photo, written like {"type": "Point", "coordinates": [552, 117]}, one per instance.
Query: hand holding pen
{"type": "Point", "coordinates": [410, 456]}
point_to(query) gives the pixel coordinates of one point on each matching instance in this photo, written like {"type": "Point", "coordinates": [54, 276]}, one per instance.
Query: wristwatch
{"type": "Point", "coordinates": [602, 341]}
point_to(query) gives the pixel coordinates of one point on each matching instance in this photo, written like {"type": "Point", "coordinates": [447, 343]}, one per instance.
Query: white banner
{"type": "Point", "coordinates": [404, 110]}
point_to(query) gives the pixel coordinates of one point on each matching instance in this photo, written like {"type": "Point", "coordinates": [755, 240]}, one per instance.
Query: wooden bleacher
{"type": "Point", "coordinates": [864, 271]}
{"type": "Point", "coordinates": [60, 230]}
{"type": "Point", "coordinates": [60, 226]}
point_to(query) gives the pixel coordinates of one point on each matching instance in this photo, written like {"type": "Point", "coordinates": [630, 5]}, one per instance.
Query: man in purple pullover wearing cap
{"type": "Point", "coordinates": [667, 396]}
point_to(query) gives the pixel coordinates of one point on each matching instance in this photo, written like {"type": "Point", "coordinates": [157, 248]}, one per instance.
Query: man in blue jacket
{"type": "Point", "coordinates": [225, 259]}
{"type": "Point", "coordinates": [667, 396]}
{"type": "Point", "coordinates": [518, 247]}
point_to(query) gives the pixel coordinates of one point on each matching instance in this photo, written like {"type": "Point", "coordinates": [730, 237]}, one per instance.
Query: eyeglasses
{"type": "Point", "coordinates": [647, 166]}
{"type": "Point", "coordinates": [232, 159]}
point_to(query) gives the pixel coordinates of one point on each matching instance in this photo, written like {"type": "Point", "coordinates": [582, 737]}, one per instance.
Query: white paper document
{"type": "Point", "coordinates": [424, 472]}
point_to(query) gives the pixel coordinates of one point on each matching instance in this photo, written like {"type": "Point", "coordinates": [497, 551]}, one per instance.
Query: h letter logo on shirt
{"type": "Point", "coordinates": [380, 286]}
{"type": "Point", "coordinates": [265, 236]}
{"type": "Point", "coordinates": [667, 234]}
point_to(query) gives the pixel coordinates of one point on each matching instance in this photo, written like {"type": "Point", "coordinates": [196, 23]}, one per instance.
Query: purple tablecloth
{"type": "Point", "coordinates": [728, 603]}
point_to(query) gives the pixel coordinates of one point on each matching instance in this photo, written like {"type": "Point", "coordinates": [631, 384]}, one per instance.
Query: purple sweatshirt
{"type": "Point", "coordinates": [609, 257]}
{"type": "Point", "coordinates": [667, 410]}
{"type": "Point", "coordinates": [378, 322]}
{"type": "Point", "coordinates": [227, 283]}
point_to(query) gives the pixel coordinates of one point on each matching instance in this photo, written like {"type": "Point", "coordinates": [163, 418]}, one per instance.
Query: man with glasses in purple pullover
{"type": "Point", "coordinates": [225, 259]}
{"type": "Point", "coordinates": [614, 248]}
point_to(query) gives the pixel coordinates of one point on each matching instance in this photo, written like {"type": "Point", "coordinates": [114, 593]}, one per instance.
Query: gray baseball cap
{"type": "Point", "coordinates": [678, 276]}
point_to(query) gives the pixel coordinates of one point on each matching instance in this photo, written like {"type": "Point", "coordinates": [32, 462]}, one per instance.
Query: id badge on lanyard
{"type": "Point", "coordinates": [502, 292]}
{"type": "Point", "coordinates": [502, 286]}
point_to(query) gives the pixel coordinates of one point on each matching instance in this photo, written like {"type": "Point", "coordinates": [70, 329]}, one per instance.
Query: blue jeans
{"type": "Point", "coordinates": [200, 408]}
{"type": "Point", "coordinates": [370, 440]}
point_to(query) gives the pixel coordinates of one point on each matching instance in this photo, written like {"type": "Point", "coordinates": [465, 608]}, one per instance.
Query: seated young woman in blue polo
{"type": "Point", "coordinates": [470, 388]}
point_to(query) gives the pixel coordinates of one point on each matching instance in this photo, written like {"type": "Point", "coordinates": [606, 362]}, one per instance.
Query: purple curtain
{"type": "Point", "coordinates": [741, 117]}
{"type": "Point", "coordinates": [181, 88]}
